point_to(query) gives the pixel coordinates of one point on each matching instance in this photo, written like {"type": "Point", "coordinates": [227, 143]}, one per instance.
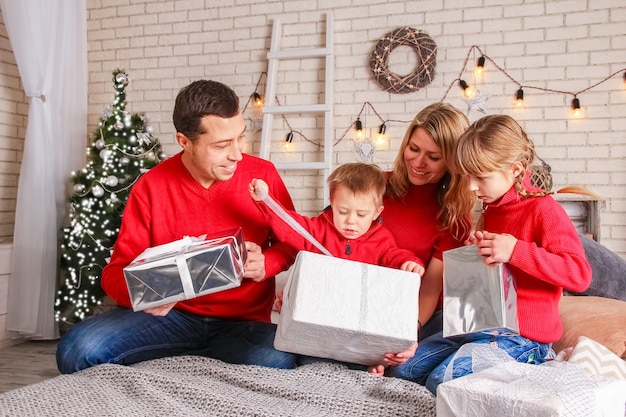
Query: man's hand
{"type": "Point", "coordinates": [254, 268]}
{"type": "Point", "coordinates": [160, 310]}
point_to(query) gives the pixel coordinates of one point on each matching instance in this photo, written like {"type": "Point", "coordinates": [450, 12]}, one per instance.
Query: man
{"type": "Point", "coordinates": [201, 190]}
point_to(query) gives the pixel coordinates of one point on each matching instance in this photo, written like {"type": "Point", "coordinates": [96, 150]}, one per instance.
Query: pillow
{"type": "Point", "coordinates": [598, 318]}
{"type": "Point", "coordinates": [596, 359]}
{"type": "Point", "coordinates": [608, 271]}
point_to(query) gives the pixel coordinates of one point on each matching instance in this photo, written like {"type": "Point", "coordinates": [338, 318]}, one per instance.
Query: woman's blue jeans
{"type": "Point", "coordinates": [124, 337]}
{"type": "Point", "coordinates": [428, 365]}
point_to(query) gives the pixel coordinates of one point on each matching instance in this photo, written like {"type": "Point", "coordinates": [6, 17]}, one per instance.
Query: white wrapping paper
{"type": "Point", "coordinates": [513, 389]}
{"type": "Point", "coordinates": [185, 269]}
{"type": "Point", "coordinates": [476, 296]}
{"type": "Point", "coordinates": [348, 311]}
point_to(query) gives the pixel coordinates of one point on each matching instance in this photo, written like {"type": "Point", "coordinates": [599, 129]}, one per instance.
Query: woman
{"type": "Point", "coordinates": [520, 226]}
{"type": "Point", "coordinates": [415, 212]}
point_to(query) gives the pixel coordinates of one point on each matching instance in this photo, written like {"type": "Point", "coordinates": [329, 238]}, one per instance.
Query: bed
{"type": "Point", "coordinates": [198, 386]}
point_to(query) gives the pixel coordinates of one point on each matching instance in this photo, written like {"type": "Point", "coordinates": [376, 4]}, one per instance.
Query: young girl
{"type": "Point", "coordinates": [521, 226]}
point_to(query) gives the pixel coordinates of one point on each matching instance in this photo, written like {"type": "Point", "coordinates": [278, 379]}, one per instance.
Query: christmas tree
{"type": "Point", "coordinates": [122, 149]}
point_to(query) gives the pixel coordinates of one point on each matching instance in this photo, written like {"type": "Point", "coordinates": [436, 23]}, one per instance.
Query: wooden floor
{"type": "Point", "coordinates": [27, 363]}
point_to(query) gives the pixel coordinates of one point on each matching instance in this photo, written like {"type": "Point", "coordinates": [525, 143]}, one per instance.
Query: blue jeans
{"type": "Point", "coordinates": [428, 365]}
{"type": "Point", "coordinates": [124, 337]}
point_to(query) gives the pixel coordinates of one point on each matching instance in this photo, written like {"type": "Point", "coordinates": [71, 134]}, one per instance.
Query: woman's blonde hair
{"type": "Point", "coordinates": [445, 124]}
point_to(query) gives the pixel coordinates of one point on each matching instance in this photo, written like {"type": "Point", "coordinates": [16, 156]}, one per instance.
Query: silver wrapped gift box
{"type": "Point", "coordinates": [185, 269]}
{"type": "Point", "coordinates": [346, 310]}
{"type": "Point", "coordinates": [476, 296]}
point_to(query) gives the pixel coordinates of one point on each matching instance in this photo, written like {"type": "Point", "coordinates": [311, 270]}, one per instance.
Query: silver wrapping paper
{"type": "Point", "coordinates": [186, 269]}
{"type": "Point", "coordinates": [476, 296]}
{"type": "Point", "coordinates": [346, 310]}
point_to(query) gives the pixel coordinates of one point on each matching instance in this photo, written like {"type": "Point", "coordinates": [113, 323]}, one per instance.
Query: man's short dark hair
{"type": "Point", "coordinates": [199, 99]}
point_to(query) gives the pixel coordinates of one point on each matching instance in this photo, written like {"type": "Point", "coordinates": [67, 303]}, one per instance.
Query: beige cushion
{"type": "Point", "coordinates": [598, 318]}
{"type": "Point", "coordinates": [596, 359]}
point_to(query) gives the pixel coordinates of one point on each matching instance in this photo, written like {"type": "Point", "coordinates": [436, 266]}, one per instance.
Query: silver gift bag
{"type": "Point", "coordinates": [476, 296]}
{"type": "Point", "coordinates": [185, 269]}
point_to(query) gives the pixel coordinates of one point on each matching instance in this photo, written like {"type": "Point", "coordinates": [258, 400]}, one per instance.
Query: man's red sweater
{"type": "Point", "coordinates": [547, 257]}
{"type": "Point", "coordinates": [167, 204]}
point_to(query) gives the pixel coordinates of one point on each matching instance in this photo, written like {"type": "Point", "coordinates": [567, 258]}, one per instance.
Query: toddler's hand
{"type": "Point", "coordinates": [258, 189]}
{"type": "Point", "coordinates": [412, 266]}
{"type": "Point", "coordinates": [394, 359]}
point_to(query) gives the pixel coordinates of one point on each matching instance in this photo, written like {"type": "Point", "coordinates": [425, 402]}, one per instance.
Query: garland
{"type": "Point", "coordinates": [425, 49]}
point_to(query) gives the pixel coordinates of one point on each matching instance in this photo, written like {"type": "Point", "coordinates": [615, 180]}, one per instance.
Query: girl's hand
{"type": "Point", "coordinates": [412, 266]}
{"type": "Point", "coordinates": [495, 247]}
{"type": "Point", "coordinates": [254, 268]}
{"type": "Point", "coordinates": [471, 239]}
{"type": "Point", "coordinates": [278, 303]}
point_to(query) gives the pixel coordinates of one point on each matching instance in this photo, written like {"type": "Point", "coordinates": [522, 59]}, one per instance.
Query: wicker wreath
{"type": "Point", "coordinates": [425, 49]}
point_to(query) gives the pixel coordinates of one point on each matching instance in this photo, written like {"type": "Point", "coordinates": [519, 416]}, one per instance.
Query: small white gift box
{"type": "Point", "coordinates": [185, 269]}
{"type": "Point", "coordinates": [476, 296]}
{"type": "Point", "coordinates": [348, 311]}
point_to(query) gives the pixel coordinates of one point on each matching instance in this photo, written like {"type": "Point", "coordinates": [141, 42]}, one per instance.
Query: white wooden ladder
{"type": "Point", "coordinates": [271, 108]}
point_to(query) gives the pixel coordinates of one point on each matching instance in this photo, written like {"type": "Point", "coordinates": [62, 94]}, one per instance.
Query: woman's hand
{"type": "Point", "coordinates": [254, 268]}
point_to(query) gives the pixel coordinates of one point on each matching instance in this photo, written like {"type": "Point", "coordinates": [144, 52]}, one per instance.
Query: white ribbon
{"type": "Point", "coordinates": [276, 208]}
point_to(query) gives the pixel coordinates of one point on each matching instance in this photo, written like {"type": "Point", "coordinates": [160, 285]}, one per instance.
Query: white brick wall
{"type": "Point", "coordinates": [5, 272]}
{"type": "Point", "coordinates": [565, 46]}
{"type": "Point", "coordinates": [559, 45]}
{"type": "Point", "coordinates": [13, 112]}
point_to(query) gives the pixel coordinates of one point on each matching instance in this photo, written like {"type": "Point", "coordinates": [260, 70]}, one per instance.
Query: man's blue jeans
{"type": "Point", "coordinates": [428, 365]}
{"type": "Point", "coordinates": [124, 337]}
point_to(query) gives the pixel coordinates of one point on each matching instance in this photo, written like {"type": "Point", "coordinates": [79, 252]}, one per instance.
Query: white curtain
{"type": "Point", "coordinates": [49, 40]}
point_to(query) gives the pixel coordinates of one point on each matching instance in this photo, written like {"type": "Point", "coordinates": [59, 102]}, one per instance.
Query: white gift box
{"type": "Point", "coordinates": [185, 269]}
{"type": "Point", "coordinates": [476, 296]}
{"type": "Point", "coordinates": [346, 310]}
{"type": "Point", "coordinates": [513, 389]}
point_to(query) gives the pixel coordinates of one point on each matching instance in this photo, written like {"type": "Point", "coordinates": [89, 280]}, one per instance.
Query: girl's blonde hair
{"type": "Point", "coordinates": [493, 143]}
{"type": "Point", "coordinates": [445, 124]}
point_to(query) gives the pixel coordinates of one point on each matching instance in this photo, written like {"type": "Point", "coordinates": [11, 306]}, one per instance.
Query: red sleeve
{"type": "Point", "coordinates": [280, 255]}
{"type": "Point", "coordinates": [132, 240]}
{"type": "Point", "coordinates": [285, 233]}
{"type": "Point", "coordinates": [560, 260]}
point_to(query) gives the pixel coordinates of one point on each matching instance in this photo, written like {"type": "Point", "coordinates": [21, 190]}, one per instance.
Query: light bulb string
{"type": "Point", "coordinates": [520, 85]}
{"type": "Point", "coordinates": [256, 90]}
{"type": "Point", "coordinates": [123, 152]}
{"type": "Point", "coordinates": [348, 129]}
{"type": "Point", "coordinates": [108, 190]}
{"type": "Point", "coordinates": [80, 273]}
{"type": "Point", "coordinates": [82, 239]}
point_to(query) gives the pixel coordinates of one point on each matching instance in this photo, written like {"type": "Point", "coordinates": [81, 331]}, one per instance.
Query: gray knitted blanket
{"type": "Point", "coordinates": [197, 386]}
